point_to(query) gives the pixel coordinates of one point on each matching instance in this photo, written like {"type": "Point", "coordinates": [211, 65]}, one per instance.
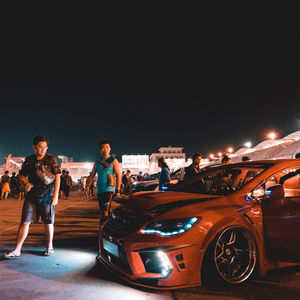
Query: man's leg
{"type": "Point", "coordinates": [21, 237]}
{"type": "Point", "coordinates": [49, 231]}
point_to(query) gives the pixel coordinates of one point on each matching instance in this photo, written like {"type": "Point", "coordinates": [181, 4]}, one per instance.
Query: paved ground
{"type": "Point", "coordinates": [73, 274]}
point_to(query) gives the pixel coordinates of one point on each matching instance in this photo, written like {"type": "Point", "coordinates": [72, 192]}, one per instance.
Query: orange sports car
{"type": "Point", "coordinates": [228, 223]}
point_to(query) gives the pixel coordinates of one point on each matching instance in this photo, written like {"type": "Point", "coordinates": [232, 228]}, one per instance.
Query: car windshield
{"type": "Point", "coordinates": [222, 180]}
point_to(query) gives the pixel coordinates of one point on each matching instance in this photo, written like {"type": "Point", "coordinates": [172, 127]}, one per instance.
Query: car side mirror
{"type": "Point", "coordinates": [275, 192]}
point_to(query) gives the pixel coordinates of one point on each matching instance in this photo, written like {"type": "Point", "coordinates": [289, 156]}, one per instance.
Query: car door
{"type": "Point", "coordinates": [281, 217]}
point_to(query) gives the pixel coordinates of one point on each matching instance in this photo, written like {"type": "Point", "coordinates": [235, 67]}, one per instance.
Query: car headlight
{"type": "Point", "coordinates": [171, 227]}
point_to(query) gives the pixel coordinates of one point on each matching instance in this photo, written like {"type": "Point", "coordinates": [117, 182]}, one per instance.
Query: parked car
{"type": "Point", "coordinates": [152, 183]}
{"type": "Point", "coordinates": [229, 223]}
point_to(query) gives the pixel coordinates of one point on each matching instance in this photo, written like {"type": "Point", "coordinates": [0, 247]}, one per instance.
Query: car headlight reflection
{"type": "Point", "coordinates": [171, 227]}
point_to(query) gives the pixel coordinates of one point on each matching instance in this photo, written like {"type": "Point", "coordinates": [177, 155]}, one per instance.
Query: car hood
{"type": "Point", "coordinates": [164, 201]}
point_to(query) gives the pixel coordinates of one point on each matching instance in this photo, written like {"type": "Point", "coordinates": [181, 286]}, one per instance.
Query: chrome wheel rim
{"type": "Point", "coordinates": [235, 254]}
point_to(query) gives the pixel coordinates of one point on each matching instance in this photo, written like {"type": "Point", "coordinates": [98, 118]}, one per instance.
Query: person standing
{"type": "Point", "coordinates": [20, 188]}
{"type": "Point", "coordinates": [14, 184]}
{"type": "Point", "coordinates": [62, 186]}
{"type": "Point", "coordinates": [194, 168]}
{"type": "Point", "coordinates": [126, 182]}
{"type": "Point", "coordinates": [226, 160]}
{"type": "Point", "coordinates": [109, 178]}
{"type": "Point", "coordinates": [5, 179]}
{"type": "Point", "coordinates": [164, 177]}
{"type": "Point", "coordinates": [68, 184]}
{"type": "Point", "coordinates": [140, 177]}
{"type": "Point", "coordinates": [40, 174]}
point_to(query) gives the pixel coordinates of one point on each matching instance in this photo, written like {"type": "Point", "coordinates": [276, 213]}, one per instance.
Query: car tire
{"type": "Point", "coordinates": [231, 258]}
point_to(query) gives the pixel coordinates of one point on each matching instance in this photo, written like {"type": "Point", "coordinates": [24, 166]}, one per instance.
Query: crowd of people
{"type": "Point", "coordinates": [11, 186]}
{"type": "Point", "coordinates": [43, 183]}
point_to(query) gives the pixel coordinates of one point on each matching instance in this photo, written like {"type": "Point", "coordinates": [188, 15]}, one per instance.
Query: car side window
{"type": "Point", "coordinates": [291, 183]}
{"type": "Point", "coordinates": [288, 177]}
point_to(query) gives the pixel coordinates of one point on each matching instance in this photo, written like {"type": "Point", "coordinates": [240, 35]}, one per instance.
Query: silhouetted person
{"type": "Point", "coordinates": [68, 184]}
{"type": "Point", "coordinates": [164, 177]}
{"type": "Point", "coordinates": [194, 168]}
{"type": "Point", "coordinates": [226, 160]}
{"type": "Point", "coordinates": [14, 184]}
{"type": "Point", "coordinates": [5, 179]}
{"type": "Point", "coordinates": [126, 182]}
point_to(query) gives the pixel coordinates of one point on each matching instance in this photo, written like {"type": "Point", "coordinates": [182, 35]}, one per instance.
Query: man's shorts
{"type": "Point", "coordinates": [103, 200]}
{"type": "Point", "coordinates": [32, 212]}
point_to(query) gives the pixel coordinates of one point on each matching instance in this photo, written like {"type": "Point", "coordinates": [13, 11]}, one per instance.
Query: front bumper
{"type": "Point", "coordinates": [151, 260]}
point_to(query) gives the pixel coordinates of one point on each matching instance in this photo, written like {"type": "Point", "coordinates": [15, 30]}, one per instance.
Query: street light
{"type": "Point", "coordinates": [230, 150]}
{"type": "Point", "coordinates": [272, 135]}
{"type": "Point", "coordinates": [211, 156]}
{"type": "Point", "coordinates": [220, 154]}
{"type": "Point", "coordinates": [248, 144]}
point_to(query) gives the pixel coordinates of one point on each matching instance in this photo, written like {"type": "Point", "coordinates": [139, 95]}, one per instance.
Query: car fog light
{"type": "Point", "coordinates": [157, 262]}
{"type": "Point", "coordinates": [165, 264]}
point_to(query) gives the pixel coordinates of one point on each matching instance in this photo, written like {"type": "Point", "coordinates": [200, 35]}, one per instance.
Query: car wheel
{"type": "Point", "coordinates": [234, 254]}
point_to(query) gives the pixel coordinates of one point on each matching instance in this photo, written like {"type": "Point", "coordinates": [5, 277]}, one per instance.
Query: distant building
{"type": "Point", "coordinates": [174, 157]}
{"type": "Point", "coordinates": [168, 153]}
{"type": "Point", "coordinates": [12, 164]}
{"type": "Point", "coordinates": [77, 170]}
{"type": "Point", "coordinates": [135, 163]}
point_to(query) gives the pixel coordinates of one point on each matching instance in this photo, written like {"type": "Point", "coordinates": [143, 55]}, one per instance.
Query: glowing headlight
{"type": "Point", "coordinates": [170, 227]}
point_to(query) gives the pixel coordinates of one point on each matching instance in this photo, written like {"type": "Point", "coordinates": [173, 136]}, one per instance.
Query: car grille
{"type": "Point", "coordinates": [124, 221]}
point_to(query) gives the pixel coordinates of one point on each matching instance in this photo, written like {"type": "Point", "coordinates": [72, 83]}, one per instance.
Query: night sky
{"type": "Point", "coordinates": [146, 78]}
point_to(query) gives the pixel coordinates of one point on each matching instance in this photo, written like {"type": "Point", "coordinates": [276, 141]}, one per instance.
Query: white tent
{"type": "Point", "coordinates": [286, 147]}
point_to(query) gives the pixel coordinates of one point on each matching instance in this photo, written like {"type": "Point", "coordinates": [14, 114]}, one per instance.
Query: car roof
{"type": "Point", "coordinates": [268, 161]}
{"type": "Point", "coordinates": [255, 164]}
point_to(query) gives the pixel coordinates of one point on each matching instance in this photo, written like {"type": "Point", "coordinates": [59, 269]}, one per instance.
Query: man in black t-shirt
{"type": "Point", "coordinates": [40, 174]}
{"type": "Point", "coordinates": [193, 169]}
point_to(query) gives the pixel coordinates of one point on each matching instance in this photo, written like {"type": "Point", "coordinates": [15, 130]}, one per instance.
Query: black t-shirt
{"type": "Point", "coordinates": [40, 190]}
{"type": "Point", "coordinates": [191, 171]}
{"type": "Point", "coordinates": [13, 181]}
{"type": "Point", "coordinates": [5, 178]}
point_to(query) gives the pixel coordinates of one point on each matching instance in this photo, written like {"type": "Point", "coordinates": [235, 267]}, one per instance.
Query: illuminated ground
{"type": "Point", "coordinates": [71, 273]}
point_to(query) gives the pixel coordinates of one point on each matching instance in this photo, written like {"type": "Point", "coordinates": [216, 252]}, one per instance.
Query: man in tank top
{"type": "Point", "coordinates": [109, 177]}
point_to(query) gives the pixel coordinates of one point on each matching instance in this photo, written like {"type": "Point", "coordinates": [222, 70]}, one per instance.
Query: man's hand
{"type": "Point", "coordinates": [54, 200]}
{"type": "Point", "coordinates": [28, 187]}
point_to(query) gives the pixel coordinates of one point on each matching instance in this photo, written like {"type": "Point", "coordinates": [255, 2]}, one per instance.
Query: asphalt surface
{"type": "Point", "coordinates": [72, 272]}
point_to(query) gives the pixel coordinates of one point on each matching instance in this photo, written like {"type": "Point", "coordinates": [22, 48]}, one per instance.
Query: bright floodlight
{"type": "Point", "coordinates": [230, 149]}
{"type": "Point", "coordinates": [211, 156]}
{"type": "Point", "coordinates": [272, 135]}
{"type": "Point", "coordinates": [248, 144]}
{"type": "Point", "coordinates": [219, 154]}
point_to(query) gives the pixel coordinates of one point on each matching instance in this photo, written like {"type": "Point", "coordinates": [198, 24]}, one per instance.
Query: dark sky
{"type": "Point", "coordinates": [146, 78]}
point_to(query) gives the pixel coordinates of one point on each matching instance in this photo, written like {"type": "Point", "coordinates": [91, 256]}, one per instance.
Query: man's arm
{"type": "Point", "coordinates": [23, 176]}
{"type": "Point", "coordinates": [56, 189]}
{"type": "Point", "coordinates": [118, 177]}
{"type": "Point", "coordinates": [28, 186]}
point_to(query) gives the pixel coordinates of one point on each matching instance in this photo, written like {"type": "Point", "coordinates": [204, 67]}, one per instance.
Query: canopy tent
{"type": "Point", "coordinates": [286, 147]}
